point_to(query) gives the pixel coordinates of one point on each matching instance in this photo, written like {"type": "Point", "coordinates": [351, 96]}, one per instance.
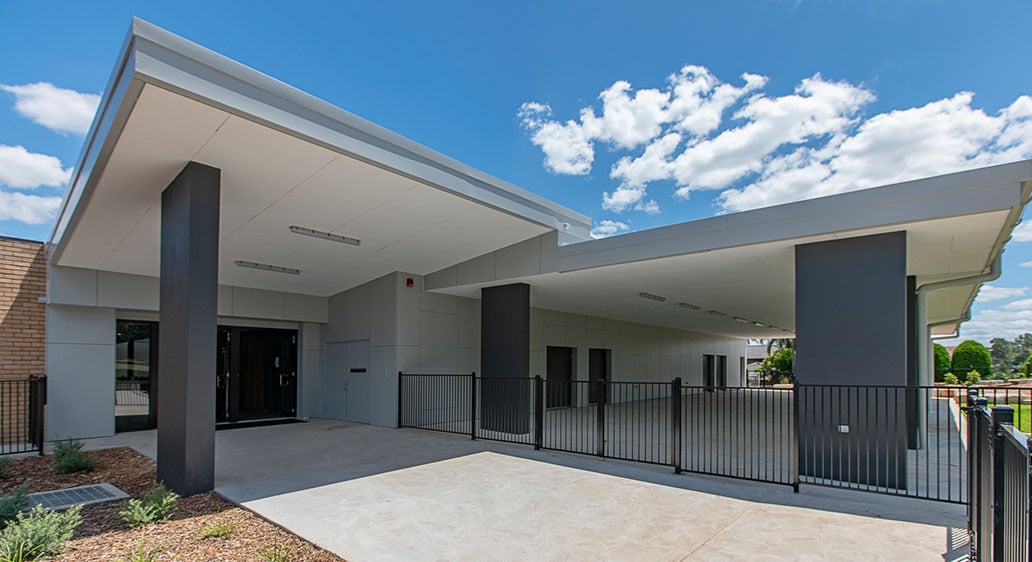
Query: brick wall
{"type": "Point", "coordinates": [23, 281]}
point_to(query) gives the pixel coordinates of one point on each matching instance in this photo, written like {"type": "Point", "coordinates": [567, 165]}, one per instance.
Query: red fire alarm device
{"type": "Point", "coordinates": [409, 282]}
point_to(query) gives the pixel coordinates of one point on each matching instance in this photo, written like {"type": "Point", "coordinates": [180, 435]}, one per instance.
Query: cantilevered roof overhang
{"type": "Point", "coordinates": [287, 158]}
{"type": "Point", "coordinates": [734, 274]}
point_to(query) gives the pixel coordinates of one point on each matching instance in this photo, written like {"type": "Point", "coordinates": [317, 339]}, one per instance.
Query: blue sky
{"type": "Point", "coordinates": [638, 114]}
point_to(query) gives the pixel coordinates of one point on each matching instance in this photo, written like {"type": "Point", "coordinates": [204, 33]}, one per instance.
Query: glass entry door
{"type": "Point", "coordinates": [256, 374]}
{"type": "Point", "coordinates": [136, 375]}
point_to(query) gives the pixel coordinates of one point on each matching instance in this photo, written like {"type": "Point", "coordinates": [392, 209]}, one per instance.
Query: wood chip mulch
{"type": "Point", "coordinates": [104, 536]}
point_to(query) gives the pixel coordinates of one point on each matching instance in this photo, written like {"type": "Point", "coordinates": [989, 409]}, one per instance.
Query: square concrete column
{"type": "Point", "coordinates": [851, 329]}
{"type": "Point", "coordinates": [505, 387]}
{"type": "Point", "coordinates": [188, 315]}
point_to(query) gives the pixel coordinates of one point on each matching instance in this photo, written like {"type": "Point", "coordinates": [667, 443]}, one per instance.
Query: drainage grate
{"type": "Point", "coordinates": [82, 495]}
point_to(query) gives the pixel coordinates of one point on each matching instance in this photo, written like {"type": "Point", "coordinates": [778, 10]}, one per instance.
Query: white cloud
{"type": "Point", "coordinates": [990, 293]}
{"type": "Point", "coordinates": [1026, 264]}
{"type": "Point", "coordinates": [59, 109]}
{"type": "Point", "coordinates": [1008, 322]}
{"type": "Point", "coordinates": [22, 169]}
{"type": "Point", "coordinates": [607, 228]}
{"type": "Point", "coordinates": [30, 209]}
{"type": "Point", "coordinates": [1023, 233]}
{"type": "Point", "coordinates": [759, 149]}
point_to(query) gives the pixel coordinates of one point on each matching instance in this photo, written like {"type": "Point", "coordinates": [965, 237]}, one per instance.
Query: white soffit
{"type": "Point", "coordinates": [270, 181]}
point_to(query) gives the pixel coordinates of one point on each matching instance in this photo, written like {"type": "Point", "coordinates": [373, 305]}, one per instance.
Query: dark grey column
{"type": "Point", "coordinates": [851, 329]}
{"type": "Point", "coordinates": [505, 358]}
{"type": "Point", "coordinates": [913, 396]}
{"type": "Point", "coordinates": [188, 314]}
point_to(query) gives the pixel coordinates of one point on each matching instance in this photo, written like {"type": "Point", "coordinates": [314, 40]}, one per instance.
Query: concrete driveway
{"type": "Point", "coordinates": [370, 493]}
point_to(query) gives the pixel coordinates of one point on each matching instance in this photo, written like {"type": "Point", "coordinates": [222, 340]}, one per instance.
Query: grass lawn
{"type": "Point", "coordinates": [1022, 416]}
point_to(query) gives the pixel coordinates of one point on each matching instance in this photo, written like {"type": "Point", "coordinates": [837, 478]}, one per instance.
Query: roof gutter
{"type": "Point", "coordinates": [923, 358]}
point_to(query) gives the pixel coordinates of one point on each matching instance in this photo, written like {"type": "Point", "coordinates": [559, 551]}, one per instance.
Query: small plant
{"type": "Point", "coordinates": [38, 534]}
{"type": "Point", "coordinates": [69, 458]}
{"type": "Point", "coordinates": [275, 554]}
{"type": "Point", "coordinates": [141, 553]}
{"type": "Point", "coordinates": [216, 530]}
{"type": "Point", "coordinates": [974, 377]}
{"type": "Point", "coordinates": [156, 505]}
{"type": "Point", "coordinates": [950, 378]}
{"type": "Point", "coordinates": [12, 504]}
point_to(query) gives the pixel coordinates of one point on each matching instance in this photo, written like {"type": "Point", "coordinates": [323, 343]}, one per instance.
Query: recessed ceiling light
{"type": "Point", "coordinates": [267, 267]}
{"type": "Point", "coordinates": [760, 324]}
{"type": "Point", "coordinates": [689, 306]}
{"type": "Point", "coordinates": [717, 313]}
{"type": "Point", "coordinates": [650, 296]}
{"type": "Point", "coordinates": [325, 235]}
{"type": "Point", "coordinates": [742, 320]}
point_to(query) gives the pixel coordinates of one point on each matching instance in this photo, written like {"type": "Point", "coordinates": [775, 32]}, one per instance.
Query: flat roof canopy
{"type": "Point", "coordinates": [742, 266]}
{"type": "Point", "coordinates": [287, 159]}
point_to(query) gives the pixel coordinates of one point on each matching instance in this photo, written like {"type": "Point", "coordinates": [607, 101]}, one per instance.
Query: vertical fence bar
{"type": "Point", "coordinates": [401, 384]}
{"type": "Point", "coordinates": [1001, 415]}
{"type": "Point", "coordinates": [539, 411]}
{"type": "Point", "coordinates": [795, 438]}
{"type": "Point", "coordinates": [675, 424]}
{"type": "Point", "coordinates": [473, 406]}
{"type": "Point", "coordinates": [600, 419]}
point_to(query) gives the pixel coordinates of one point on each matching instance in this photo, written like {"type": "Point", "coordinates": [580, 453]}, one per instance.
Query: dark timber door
{"type": "Point", "coordinates": [598, 370]}
{"type": "Point", "coordinates": [136, 375]}
{"type": "Point", "coordinates": [721, 374]}
{"type": "Point", "coordinates": [256, 374]}
{"type": "Point", "coordinates": [559, 372]}
{"type": "Point", "coordinates": [707, 372]}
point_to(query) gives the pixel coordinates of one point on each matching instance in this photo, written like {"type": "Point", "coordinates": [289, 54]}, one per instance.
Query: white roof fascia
{"type": "Point", "coordinates": [976, 191]}
{"type": "Point", "coordinates": [156, 56]}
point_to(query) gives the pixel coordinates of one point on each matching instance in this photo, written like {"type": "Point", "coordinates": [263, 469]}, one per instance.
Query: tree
{"type": "Point", "coordinates": [971, 356]}
{"type": "Point", "coordinates": [1003, 353]}
{"type": "Point", "coordinates": [779, 343]}
{"type": "Point", "coordinates": [778, 363]}
{"type": "Point", "coordinates": [942, 363]}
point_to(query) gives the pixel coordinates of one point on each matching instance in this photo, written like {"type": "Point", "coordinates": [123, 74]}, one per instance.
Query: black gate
{"type": "Point", "coordinates": [22, 413]}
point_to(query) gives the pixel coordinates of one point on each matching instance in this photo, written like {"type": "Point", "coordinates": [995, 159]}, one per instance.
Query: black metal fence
{"type": "Point", "coordinates": [22, 405]}
{"type": "Point", "coordinates": [1000, 511]}
{"type": "Point", "coordinates": [905, 441]}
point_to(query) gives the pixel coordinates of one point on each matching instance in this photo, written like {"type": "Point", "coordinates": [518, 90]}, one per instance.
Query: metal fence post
{"type": "Point", "coordinates": [1001, 415]}
{"type": "Point", "coordinates": [539, 411]}
{"type": "Point", "coordinates": [797, 461]}
{"type": "Point", "coordinates": [400, 379]}
{"type": "Point", "coordinates": [675, 424]}
{"type": "Point", "coordinates": [473, 406]}
{"type": "Point", "coordinates": [600, 419]}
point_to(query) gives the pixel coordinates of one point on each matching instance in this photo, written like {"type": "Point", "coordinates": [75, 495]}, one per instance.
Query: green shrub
{"type": "Point", "coordinates": [38, 534]}
{"type": "Point", "coordinates": [777, 363]}
{"type": "Point", "coordinates": [950, 378]}
{"type": "Point", "coordinates": [973, 377]}
{"type": "Point", "coordinates": [157, 504]}
{"type": "Point", "coordinates": [971, 356]}
{"type": "Point", "coordinates": [69, 458]}
{"type": "Point", "coordinates": [12, 504]}
{"type": "Point", "coordinates": [216, 530]}
{"type": "Point", "coordinates": [275, 554]}
{"type": "Point", "coordinates": [141, 553]}
{"type": "Point", "coordinates": [942, 363]}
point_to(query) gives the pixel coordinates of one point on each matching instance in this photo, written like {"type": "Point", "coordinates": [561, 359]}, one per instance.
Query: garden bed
{"type": "Point", "coordinates": [103, 535]}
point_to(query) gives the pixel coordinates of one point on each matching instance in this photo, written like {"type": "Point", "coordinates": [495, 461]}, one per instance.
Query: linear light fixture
{"type": "Point", "coordinates": [742, 320]}
{"type": "Point", "coordinates": [267, 267]}
{"type": "Point", "coordinates": [652, 297]}
{"type": "Point", "coordinates": [760, 324]}
{"type": "Point", "coordinates": [717, 313]}
{"type": "Point", "coordinates": [689, 306]}
{"type": "Point", "coordinates": [325, 235]}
